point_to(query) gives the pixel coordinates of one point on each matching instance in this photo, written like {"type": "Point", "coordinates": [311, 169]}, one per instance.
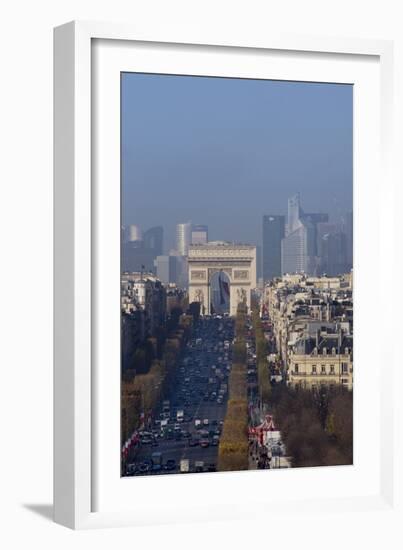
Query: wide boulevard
{"type": "Point", "coordinates": [200, 390]}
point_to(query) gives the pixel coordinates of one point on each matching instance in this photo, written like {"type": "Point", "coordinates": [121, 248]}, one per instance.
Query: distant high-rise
{"type": "Point", "coordinates": [199, 234]}
{"type": "Point", "coordinates": [294, 213]}
{"type": "Point", "coordinates": [134, 233]}
{"type": "Point", "coordinates": [183, 237]}
{"type": "Point", "coordinates": [166, 268]}
{"type": "Point", "coordinates": [299, 247]}
{"type": "Point", "coordinates": [332, 250]}
{"type": "Point", "coordinates": [273, 233]}
{"type": "Point", "coordinates": [154, 240]}
{"type": "Point", "coordinates": [294, 256]}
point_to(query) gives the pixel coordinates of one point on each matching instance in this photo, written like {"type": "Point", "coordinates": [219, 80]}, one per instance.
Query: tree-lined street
{"type": "Point", "coordinates": [187, 424]}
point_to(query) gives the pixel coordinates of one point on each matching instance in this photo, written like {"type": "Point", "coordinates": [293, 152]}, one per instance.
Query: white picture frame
{"type": "Point", "coordinates": [80, 312]}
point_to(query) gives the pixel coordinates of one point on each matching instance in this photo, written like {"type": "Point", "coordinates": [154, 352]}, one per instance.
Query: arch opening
{"type": "Point", "coordinates": [220, 285]}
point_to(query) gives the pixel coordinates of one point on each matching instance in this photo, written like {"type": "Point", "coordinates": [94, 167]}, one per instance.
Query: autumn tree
{"type": "Point", "coordinates": [233, 447]}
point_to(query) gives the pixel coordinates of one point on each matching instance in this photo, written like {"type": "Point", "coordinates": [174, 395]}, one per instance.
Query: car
{"type": "Point", "coordinates": [193, 442]}
{"type": "Point", "coordinates": [170, 465]}
{"type": "Point", "coordinates": [131, 469]}
{"type": "Point", "coordinates": [204, 443]}
{"type": "Point", "coordinates": [144, 467]}
{"type": "Point", "coordinates": [199, 466]}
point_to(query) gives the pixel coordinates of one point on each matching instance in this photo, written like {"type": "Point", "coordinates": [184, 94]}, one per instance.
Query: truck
{"type": "Point", "coordinates": [184, 466]}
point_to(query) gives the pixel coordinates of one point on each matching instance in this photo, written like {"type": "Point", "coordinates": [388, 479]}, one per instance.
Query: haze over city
{"type": "Point", "coordinates": [223, 152]}
{"type": "Point", "coordinates": [237, 324]}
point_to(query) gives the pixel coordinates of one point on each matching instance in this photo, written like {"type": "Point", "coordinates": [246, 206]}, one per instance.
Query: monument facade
{"type": "Point", "coordinates": [237, 261]}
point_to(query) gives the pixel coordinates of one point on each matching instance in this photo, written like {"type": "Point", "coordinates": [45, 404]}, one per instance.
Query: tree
{"type": "Point", "coordinates": [233, 448]}
{"type": "Point", "coordinates": [234, 443]}
{"type": "Point", "coordinates": [316, 428]}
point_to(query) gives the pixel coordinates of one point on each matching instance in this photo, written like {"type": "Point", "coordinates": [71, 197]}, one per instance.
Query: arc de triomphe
{"type": "Point", "coordinates": [237, 261]}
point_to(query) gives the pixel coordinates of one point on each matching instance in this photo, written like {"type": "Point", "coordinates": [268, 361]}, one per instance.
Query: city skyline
{"type": "Point", "coordinates": [232, 150]}
{"type": "Point", "coordinates": [223, 369]}
{"type": "Point", "coordinates": [294, 242]}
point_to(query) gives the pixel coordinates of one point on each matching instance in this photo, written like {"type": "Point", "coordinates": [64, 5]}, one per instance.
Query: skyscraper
{"type": "Point", "coordinates": [294, 213]}
{"type": "Point", "coordinates": [153, 239]}
{"type": "Point", "coordinates": [134, 233]}
{"type": "Point", "coordinates": [332, 250]}
{"type": "Point", "coordinates": [183, 237]}
{"type": "Point", "coordinates": [199, 234]}
{"type": "Point", "coordinates": [166, 268]}
{"type": "Point", "coordinates": [273, 233]}
{"type": "Point", "coordinates": [298, 248]}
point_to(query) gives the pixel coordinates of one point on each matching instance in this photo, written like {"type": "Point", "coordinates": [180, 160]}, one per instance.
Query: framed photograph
{"type": "Point", "coordinates": [222, 207]}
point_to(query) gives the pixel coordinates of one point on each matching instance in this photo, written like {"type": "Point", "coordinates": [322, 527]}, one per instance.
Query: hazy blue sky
{"type": "Point", "coordinates": [223, 152]}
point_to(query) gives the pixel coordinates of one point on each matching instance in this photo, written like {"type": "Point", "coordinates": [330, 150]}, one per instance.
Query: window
{"type": "Point", "coordinates": [313, 369]}
{"type": "Point", "coordinates": [344, 368]}
{"type": "Point", "coordinates": [323, 369]}
{"type": "Point", "coordinates": [296, 368]}
{"type": "Point", "coordinates": [331, 369]}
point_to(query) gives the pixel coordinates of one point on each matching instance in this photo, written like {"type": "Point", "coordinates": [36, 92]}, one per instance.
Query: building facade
{"type": "Point", "coordinates": [237, 261]}
{"type": "Point", "coordinates": [325, 359]}
{"type": "Point", "coordinates": [199, 234]}
{"type": "Point", "coordinates": [143, 310]}
{"type": "Point", "coordinates": [312, 323]}
{"type": "Point", "coordinates": [183, 238]}
{"type": "Point", "coordinates": [167, 269]}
